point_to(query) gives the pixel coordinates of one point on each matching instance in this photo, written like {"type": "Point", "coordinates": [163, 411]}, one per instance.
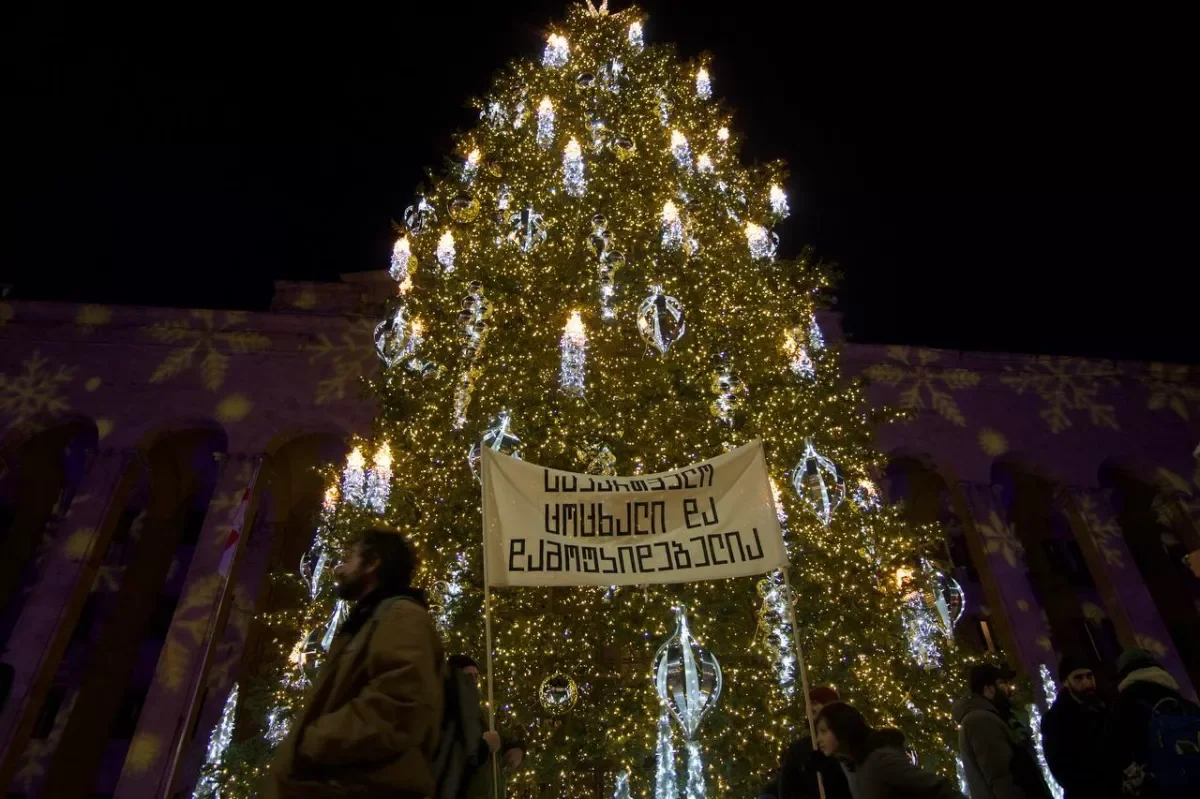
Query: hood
{"type": "Point", "coordinates": [965, 704]}
{"type": "Point", "coordinates": [1153, 675]}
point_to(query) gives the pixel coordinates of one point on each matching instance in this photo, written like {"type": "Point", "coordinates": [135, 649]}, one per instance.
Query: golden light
{"type": "Point", "coordinates": [678, 139]}
{"type": "Point", "coordinates": [383, 457]}
{"type": "Point", "coordinates": [402, 246]}
{"type": "Point", "coordinates": [777, 195]}
{"type": "Point", "coordinates": [754, 232]}
{"type": "Point", "coordinates": [331, 497]}
{"type": "Point", "coordinates": [572, 150]}
{"type": "Point", "coordinates": [670, 212]}
{"type": "Point", "coordinates": [355, 459]}
{"type": "Point", "coordinates": [574, 325]}
{"type": "Point", "coordinates": [473, 157]}
{"type": "Point", "coordinates": [446, 242]}
{"type": "Point", "coordinates": [416, 327]}
{"type": "Point", "coordinates": [545, 106]}
{"type": "Point", "coordinates": [557, 41]}
{"type": "Point", "coordinates": [405, 286]}
{"type": "Point", "coordinates": [723, 133]}
{"type": "Point", "coordinates": [704, 163]}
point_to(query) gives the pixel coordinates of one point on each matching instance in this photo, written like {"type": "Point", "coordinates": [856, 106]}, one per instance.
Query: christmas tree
{"type": "Point", "coordinates": [592, 284]}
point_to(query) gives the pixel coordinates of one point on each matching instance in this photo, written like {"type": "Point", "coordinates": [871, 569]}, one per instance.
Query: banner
{"type": "Point", "coordinates": [709, 521]}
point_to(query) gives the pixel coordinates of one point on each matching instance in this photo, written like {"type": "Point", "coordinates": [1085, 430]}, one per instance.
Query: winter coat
{"type": "Point", "coordinates": [798, 771]}
{"type": "Point", "coordinates": [998, 758]}
{"type": "Point", "coordinates": [371, 725]}
{"type": "Point", "coordinates": [887, 772]}
{"type": "Point", "coordinates": [1073, 742]}
{"type": "Point", "coordinates": [1129, 730]}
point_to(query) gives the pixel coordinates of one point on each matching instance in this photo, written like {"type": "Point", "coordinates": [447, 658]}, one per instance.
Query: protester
{"type": "Point", "coordinates": [1155, 731]}
{"type": "Point", "coordinates": [996, 745]}
{"type": "Point", "coordinates": [479, 777]}
{"type": "Point", "coordinates": [801, 762]}
{"type": "Point", "coordinates": [1073, 733]}
{"type": "Point", "coordinates": [877, 764]}
{"type": "Point", "coordinates": [371, 726]}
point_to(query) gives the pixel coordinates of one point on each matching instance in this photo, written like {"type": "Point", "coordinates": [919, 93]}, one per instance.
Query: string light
{"type": "Point", "coordinates": [445, 251]}
{"type": "Point", "coordinates": [672, 227]}
{"type": "Point", "coordinates": [722, 133]}
{"type": "Point", "coordinates": [401, 255]}
{"type": "Point", "coordinates": [472, 164]}
{"type": "Point", "coordinates": [573, 179]}
{"type": "Point", "coordinates": [545, 123]}
{"type": "Point", "coordinates": [762, 245]}
{"type": "Point", "coordinates": [666, 783]}
{"type": "Point", "coordinates": [555, 54]}
{"type": "Point", "coordinates": [207, 786]}
{"type": "Point", "coordinates": [704, 163]}
{"type": "Point", "coordinates": [681, 150]}
{"type": "Point", "coordinates": [799, 361]}
{"type": "Point", "coordinates": [574, 356]}
{"type": "Point", "coordinates": [703, 84]}
{"type": "Point", "coordinates": [379, 480]}
{"type": "Point", "coordinates": [1050, 691]}
{"type": "Point", "coordinates": [779, 202]}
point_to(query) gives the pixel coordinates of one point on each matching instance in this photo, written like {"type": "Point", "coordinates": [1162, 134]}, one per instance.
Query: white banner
{"type": "Point", "coordinates": [709, 521]}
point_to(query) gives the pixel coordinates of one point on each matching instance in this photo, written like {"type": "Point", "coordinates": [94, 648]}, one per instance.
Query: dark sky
{"type": "Point", "coordinates": [988, 178]}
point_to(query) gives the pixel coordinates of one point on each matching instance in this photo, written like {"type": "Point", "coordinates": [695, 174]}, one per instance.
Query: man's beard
{"type": "Point", "coordinates": [1002, 701]}
{"type": "Point", "coordinates": [349, 589]}
{"type": "Point", "coordinates": [1089, 698]}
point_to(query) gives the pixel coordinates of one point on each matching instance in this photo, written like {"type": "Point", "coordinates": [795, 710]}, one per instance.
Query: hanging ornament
{"type": "Point", "coordinates": [503, 199]}
{"type": "Point", "coordinates": [445, 251]}
{"type": "Point", "coordinates": [600, 238]}
{"type": "Point", "coordinates": [555, 54]}
{"type": "Point", "coordinates": [635, 36]}
{"type": "Point", "coordinates": [464, 208]}
{"type": "Point", "coordinates": [664, 108]}
{"type": "Point", "coordinates": [681, 150]}
{"type": "Point", "coordinates": [471, 165]}
{"type": "Point", "coordinates": [391, 338]}
{"type": "Point", "coordinates": [494, 114]}
{"type": "Point", "coordinates": [473, 318]}
{"type": "Point", "coordinates": [688, 680]}
{"type": "Point", "coordinates": [558, 693]}
{"type": "Point", "coordinates": [672, 227]}
{"type": "Point", "coordinates": [598, 459]}
{"type": "Point", "coordinates": [573, 179]}
{"type": "Point", "coordinates": [597, 127]}
{"type": "Point", "coordinates": [419, 216]}
{"type": "Point", "coordinates": [401, 255]}
{"type": "Point", "coordinates": [798, 359]}
{"type": "Point", "coordinates": [526, 229]}
{"type": "Point", "coordinates": [948, 597]}
{"type": "Point", "coordinates": [499, 438]}
{"type": "Point", "coordinates": [624, 147]}
{"type": "Point", "coordinates": [610, 76]}
{"type": "Point", "coordinates": [660, 320]}
{"type": "Point", "coordinates": [519, 115]}
{"type": "Point", "coordinates": [762, 241]}
{"type": "Point", "coordinates": [866, 495]}
{"type": "Point", "coordinates": [545, 123]}
{"type": "Point", "coordinates": [704, 164]}
{"type": "Point", "coordinates": [774, 630]}
{"type": "Point", "coordinates": [610, 262]}
{"type": "Point", "coordinates": [731, 393]}
{"type": "Point", "coordinates": [779, 202]}
{"type": "Point", "coordinates": [585, 81]}
{"type": "Point", "coordinates": [818, 483]}
{"type": "Point", "coordinates": [703, 84]}
{"type": "Point", "coordinates": [574, 356]}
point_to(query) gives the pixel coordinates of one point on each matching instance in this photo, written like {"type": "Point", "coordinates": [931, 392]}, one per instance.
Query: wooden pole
{"type": "Point", "coordinates": [812, 729]}
{"type": "Point", "coordinates": [487, 617]}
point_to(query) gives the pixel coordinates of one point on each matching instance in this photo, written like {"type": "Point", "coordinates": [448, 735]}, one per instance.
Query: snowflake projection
{"type": "Point", "coordinates": [1001, 537]}
{"type": "Point", "coordinates": [1176, 495]}
{"type": "Point", "coordinates": [1106, 532]}
{"type": "Point", "coordinates": [1169, 388]}
{"type": "Point", "coordinates": [203, 342]}
{"type": "Point", "coordinates": [6, 313]}
{"type": "Point", "coordinates": [916, 377]}
{"type": "Point", "coordinates": [352, 356]}
{"type": "Point", "coordinates": [90, 317]}
{"type": "Point", "coordinates": [187, 631]}
{"type": "Point", "coordinates": [1066, 385]}
{"type": "Point", "coordinates": [36, 756]}
{"type": "Point", "coordinates": [34, 391]}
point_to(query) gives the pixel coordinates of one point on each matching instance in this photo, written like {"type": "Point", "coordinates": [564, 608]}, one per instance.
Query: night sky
{"type": "Point", "coordinates": [987, 178]}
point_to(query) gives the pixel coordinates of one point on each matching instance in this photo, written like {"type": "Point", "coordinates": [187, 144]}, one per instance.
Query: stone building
{"type": "Point", "coordinates": [1067, 487]}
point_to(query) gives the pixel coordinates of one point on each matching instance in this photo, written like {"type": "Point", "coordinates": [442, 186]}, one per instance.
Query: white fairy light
{"type": "Point", "coordinates": [401, 255]}
{"type": "Point", "coordinates": [800, 363]}
{"type": "Point", "coordinates": [635, 36]}
{"type": "Point", "coordinates": [218, 742]}
{"type": "Point", "coordinates": [621, 789]}
{"type": "Point", "coordinates": [519, 115]}
{"type": "Point", "coordinates": [445, 251]}
{"type": "Point", "coordinates": [704, 163]}
{"type": "Point", "coordinates": [961, 771]}
{"type": "Point", "coordinates": [1050, 690]}
{"type": "Point", "coordinates": [924, 633]}
{"type": "Point", "coordinates": [703, 84]}
{"type": "Point", "coordinates": [694, 788]}
{"type": "Point", "coordinates": [681, 150]}
{"type": "Point", "coordinates": [779, 202]}
{"type": "Point", "coordinates": [762, 244]}
{"type": "Point", "coordinates": [545, 123]}
{"type": "Point", "coordinates": [816, 339]}
{"type": "Point", "coordinates": [379, 479]}
{"type": "Point", "coordinates": [573, 179]}
{"type": "Point", "coordinates": [555, 54]}
{"type": "Point", "coordinates": [818, 484]}
{"type": "Point", "coordinates": [723, 134]}
{"type": "Point", "coordinates": [672, 226]}
{"type": "Point", "coordinates": [353, 476]}
{"type": "Point", "coordinates": [666, 783]}
{"type": "Point", "coordinates": [574, 356]}
{"type": "Point", "coordinates": [866, 495]}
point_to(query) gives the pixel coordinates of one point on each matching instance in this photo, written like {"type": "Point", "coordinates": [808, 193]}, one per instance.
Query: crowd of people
{"type": "Point", "coordinates": [391, 716]}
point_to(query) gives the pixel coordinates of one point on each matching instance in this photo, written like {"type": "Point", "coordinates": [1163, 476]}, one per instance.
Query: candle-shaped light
{"type": "Point", "coordinates": [445, 251]}
{"type": "Point", "coordinates": [723, 134]}
{"type": "Point", "coordinates": [704, 163]}
{"type": "Point", "coordinates": [555, 54]}
{"type": "Point", "coordinates": [401, 255]}
{"type": "Point", "coordinates": [703, 84]}
{"type": "Point", "coordinates": [779, 202]}
{"type": "Point", "coordinates": [379, 479]}
{"type": "Point", "coordinates": [353, 475]}
{"type": "Point", "coordinates": [672, 226]}
{"type": "Point", "coordinates": [545, 123]}
{"type": "Point", "coordinates": [573, 179]}
{"type": "Point", "coordinates": [635, 35]}
{"type": "Point", "coordinates": [762, 243]}
{"type": "Point", "coordinates": [680, 149]}
{"type": "Point", "coordinates": [574, 356]}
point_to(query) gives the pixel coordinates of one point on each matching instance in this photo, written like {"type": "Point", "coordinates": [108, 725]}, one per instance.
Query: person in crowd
{"type": "Point", "coordinates": [1154, 734]}
{"type": "Point", "coordinates": [478, 782]}
{"type": "Point", "coordinates": [371, 726]}
{"type": "Point", "coordinates": [1073, 732]}
{"type": "Point", "coordinates": [875, 760]}
{"type": "Point", "coordinates": [996, 745]}
{"type": "Point", "coordinates": [802, 761]}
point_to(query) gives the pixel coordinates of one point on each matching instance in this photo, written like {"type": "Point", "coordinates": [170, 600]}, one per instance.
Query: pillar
{"type": "Point", "coordinates": [49, 615]}
{"type": "Point", "coordinates": [1126, 597]}
{"type": "Point", "coordinates": [173, 692]}
{"type": "Point", "coordinates": [1020, 621]}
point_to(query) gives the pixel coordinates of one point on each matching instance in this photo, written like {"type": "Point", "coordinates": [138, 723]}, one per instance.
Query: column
{"type": "Point", "coordinates": [173, 692]}
{"type": "Point", "coordinates": [52, 609]}
{"type": "Point", "coordinates": [1017, 613]}
{"type": "Point", "coordinates": [1126, 597]}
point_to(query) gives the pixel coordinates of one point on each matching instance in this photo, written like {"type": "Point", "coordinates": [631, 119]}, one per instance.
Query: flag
{"type": "Point", "coordinates": [235, 530]}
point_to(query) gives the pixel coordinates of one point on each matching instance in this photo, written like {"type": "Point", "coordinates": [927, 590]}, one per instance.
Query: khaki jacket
{"type": "Point", "coordinates": [371, 726]}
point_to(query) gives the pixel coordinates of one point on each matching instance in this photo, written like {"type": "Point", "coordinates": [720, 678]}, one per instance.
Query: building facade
{"type": "Point", "coordinates": [129, 437]}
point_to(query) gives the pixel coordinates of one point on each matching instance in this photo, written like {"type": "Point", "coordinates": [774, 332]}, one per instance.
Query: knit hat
{"type": "Point", "coordinates": [1133, 659]}
{"type": "Point", "coordinates": [823, 694]}
{"type": "Point", "coordinates": [985, 674]}
{"type": "Point", "coordinates": [1072, 662]}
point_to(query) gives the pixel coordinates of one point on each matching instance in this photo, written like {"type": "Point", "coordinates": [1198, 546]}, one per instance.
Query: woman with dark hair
{"type": "Point", "coordinates": [876, 764]}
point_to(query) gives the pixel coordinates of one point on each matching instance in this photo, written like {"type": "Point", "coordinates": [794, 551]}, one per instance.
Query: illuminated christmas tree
{"type": "Point", "coordinates": [593, 285]}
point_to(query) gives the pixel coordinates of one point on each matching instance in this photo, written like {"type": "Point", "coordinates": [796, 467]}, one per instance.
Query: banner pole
{"type": "Point", "coordinates": [487, 614]}
{"type": "Point", "coordinates": [812, 730]}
